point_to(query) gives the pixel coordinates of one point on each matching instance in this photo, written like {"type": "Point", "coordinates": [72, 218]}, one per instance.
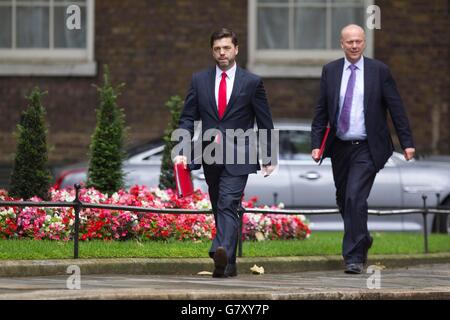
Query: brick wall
{"type": "Point", "coordinates": [415, 42]}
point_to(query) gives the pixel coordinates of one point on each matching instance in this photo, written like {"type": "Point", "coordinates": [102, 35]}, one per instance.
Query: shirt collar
{"type": "Point", "coordinates": [230, 73]}
{"type": "Point", "coordinates": [359, 64]}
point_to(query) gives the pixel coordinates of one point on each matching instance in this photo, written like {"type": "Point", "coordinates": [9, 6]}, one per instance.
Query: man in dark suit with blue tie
{"type": "Point", "coordinates": [225, 98]}
{"type": "Point", "coordinates": [355, 94]}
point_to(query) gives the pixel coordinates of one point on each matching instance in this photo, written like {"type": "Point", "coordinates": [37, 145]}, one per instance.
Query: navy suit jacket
{"type": "Point", "coordinates": [380, 96]}
{"type": "Point", "coordinates": [247, 102]}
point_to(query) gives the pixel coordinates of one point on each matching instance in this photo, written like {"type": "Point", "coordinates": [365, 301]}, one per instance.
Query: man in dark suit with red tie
{"type": "Point", "coordinates": [226, 97]}
{"type": "Point", "coordinates": [355, 94]}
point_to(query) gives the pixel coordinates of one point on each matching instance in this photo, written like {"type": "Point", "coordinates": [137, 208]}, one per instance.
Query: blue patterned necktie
{"type": "Point", "coordinates": [344, 118]}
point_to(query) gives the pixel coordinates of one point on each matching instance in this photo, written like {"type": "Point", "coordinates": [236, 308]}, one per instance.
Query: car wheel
{"type": "Point", "coordinates": [441, 223]}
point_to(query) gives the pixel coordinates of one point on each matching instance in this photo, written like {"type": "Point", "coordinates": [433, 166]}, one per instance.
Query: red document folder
{"type": "Point", "coordinates": [183, 180]}
{"type": "Point", "coordinates": [324, 142]}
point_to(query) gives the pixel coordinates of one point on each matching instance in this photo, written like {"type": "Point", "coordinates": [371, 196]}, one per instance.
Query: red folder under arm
{"type": "Point", "coordinates": [324, 142]}
{"type": "Point", "coordinates": [183, 180]}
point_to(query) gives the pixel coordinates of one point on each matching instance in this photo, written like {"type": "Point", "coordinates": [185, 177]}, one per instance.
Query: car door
{"type": "Point", "coordinates": [312, 184]}
{"type": "Point", "coordinates": [144, 168]}
{"type": "Point", "coordinates": [386, 193]}
{"type": "Point", "coordinates": [313, 187]}
{"type": "Point", "coordinates": [273, 189]}
{"type": "Point", "coordinates": [387, 188]}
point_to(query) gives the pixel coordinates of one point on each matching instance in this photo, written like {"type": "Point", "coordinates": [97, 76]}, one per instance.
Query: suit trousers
{"type": "Point", "coordinates": [354, 174]}
{"type": "Point", "coordinates": [225, 193]}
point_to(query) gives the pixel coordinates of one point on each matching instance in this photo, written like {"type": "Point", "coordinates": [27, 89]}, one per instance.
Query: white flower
{"type": "Point", "coordinates": [203, 204]}
{"type": "Point", "coordinates": [115, 197]}
{"type": "Point", "coordinates": [162, 194]}
{"type": "Point", "coordinates": [255, 217]}
{"type": "Point", "coordinates": [158, 203]}
{"type": "Point", "coordinates": [69, 198]}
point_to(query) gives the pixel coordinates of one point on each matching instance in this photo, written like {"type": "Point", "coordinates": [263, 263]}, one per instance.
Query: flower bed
{"type": "Point", "coordinates": [57, 223]}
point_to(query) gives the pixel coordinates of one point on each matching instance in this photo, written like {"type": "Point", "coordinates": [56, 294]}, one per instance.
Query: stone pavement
{"type": "Point", "coordinates": [190, 266]}
{"type": "Point", "coordinates": [430, 281]}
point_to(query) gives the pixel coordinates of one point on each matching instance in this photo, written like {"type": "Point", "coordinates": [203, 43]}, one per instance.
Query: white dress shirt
{"type": "Point", "coordinates": [229, 79]}
{"type": "Point", "coordinates": [357, 129]}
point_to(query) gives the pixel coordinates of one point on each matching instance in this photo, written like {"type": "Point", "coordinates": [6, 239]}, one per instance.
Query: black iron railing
{"type": "Point", "coordinates": [78, 205]}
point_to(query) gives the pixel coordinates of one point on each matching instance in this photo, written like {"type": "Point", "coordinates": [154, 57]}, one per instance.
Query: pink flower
{"type": "Point", "coordinates": [58, 223]}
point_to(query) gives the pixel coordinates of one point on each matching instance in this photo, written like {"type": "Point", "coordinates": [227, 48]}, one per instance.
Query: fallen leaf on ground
{"type": "Point", "coordinates": [259, 236]}
{"type": "Point", "coordinates": [257, 270]}
{"type": "Point", "coordinates": [379, 266]}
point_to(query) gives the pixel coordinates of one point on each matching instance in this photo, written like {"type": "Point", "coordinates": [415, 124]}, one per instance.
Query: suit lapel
{"type": "Point", "coordinates": [211, 86]}
{"type": "Point", "coordinates": [368, 74]}
{"type": "Point", "coordinates": [337, 85]}
{"type": "Point", "coordinates": [236, 90]}
{"type": "Point", "coordinates": [237, 86]}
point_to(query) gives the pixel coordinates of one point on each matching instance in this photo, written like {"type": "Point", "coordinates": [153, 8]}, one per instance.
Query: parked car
{"type": "Point", "coordinates": [299, 182]}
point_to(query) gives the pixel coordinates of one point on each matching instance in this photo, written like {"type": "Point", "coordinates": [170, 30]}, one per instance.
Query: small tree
{"type": "Point", "coordinates": [106, 149]}
{"type": "Point", "coordinates": [166, 179]}
{"type": "Point", "coordinates": [31, 176]}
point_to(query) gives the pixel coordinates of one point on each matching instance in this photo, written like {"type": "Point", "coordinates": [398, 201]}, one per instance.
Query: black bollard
{"type": "Point", "coordinates": [77, 207]}
{"type": "Point", "coordinates": [425, 225]}
{"type": "Point", "coordinates": [241, 212]}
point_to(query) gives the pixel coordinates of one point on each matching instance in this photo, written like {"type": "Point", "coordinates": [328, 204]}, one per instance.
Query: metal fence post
{"type": "Point", "coordinates": [425, 225]}
{"type": "Point", "coordinates": [241, 212]}
{"type": "Point", "coordinates": [77, 207]}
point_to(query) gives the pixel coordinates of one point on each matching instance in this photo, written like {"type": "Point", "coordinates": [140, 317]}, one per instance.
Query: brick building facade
{"type": "Point", "coordinates": [154, 46]}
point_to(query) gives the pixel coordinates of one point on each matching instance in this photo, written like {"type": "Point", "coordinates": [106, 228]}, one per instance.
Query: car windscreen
{"type": "Point", "coordinates": [295, 145]}
{"type": "Point", "coordinates": [132, 151]}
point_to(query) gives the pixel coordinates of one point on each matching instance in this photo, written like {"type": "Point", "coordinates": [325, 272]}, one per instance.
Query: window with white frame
{"type": "Point", "coordinates": [294, 38]}
{"type": "Point", "coordinates": [35, 38]}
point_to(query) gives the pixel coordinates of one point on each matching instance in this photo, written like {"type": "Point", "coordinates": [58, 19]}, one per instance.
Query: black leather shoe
{"type": "Point", "coordinates": [354, 268]}
{"type": "Point", "coordinates": [220, 263]}
{"type": "Point", "coordinates": [231, 270]}
{"type": "Point", "coordinates": [367, 250]}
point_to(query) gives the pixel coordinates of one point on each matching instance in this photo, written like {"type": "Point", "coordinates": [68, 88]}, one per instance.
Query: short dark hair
{"type": "Point", "coordinates": [224, 33]}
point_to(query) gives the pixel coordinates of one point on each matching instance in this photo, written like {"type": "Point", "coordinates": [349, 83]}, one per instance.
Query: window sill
{"type": "Point", "coordinates": [77, 69]}
{"type": "Point", "coordinates": [286, 71]}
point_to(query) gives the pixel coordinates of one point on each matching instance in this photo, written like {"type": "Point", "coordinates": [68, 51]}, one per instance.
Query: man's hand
{"type": "Point", "coordinates": [315, 155]}
{"type": "Point", "coordinates": [180, 159]}
{"type": "Point", "coordinates": [267, 170]}
{"type": "Point", "coordinates": [409, 153]}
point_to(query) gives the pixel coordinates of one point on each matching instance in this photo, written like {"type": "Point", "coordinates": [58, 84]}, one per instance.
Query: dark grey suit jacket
{"type": "Point", "coordinates": [380, 96]}
{"type": "Point", "coordinates": [247, 102]}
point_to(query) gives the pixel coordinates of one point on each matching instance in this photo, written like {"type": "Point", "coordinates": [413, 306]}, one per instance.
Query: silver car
{"type": "Point", "coordinates": [299, 182]}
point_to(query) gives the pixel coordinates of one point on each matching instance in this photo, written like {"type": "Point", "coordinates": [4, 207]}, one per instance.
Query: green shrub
{"type": "Point", "coordinates": [166, 178]}
{"type": "Point", "coordinates": [31, 176]}
{"type": "Point", "coordinates": [106, 150]}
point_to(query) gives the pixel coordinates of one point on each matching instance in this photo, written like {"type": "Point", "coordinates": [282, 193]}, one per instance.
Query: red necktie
{"type": "Point", "coordinates": [222, 103]}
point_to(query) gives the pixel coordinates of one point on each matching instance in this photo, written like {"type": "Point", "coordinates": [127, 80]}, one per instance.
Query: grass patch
{"type": "Point", "coordinates": [320, 243]}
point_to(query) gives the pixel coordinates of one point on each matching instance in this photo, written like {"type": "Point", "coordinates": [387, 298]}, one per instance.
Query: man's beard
{"type": "Point", "coordinates": [225, 63]}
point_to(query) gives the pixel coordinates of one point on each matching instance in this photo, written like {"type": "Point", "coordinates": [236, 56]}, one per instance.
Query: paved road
{"type": "Point", "coordinates": [423, 282]}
